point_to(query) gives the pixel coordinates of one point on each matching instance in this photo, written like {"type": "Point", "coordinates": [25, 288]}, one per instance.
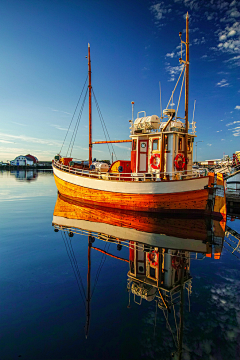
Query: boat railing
{"type": "Point", "coordinates": [156, 176]}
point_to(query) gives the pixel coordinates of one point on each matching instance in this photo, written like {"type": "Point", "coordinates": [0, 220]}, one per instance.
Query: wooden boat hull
{"type": "Point", "coordinates": [185, 233]}
{"type": "Point", "coordinates": [190, 195]}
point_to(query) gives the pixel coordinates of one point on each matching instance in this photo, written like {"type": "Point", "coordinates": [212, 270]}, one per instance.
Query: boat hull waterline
{"type": "Point", "coordinates": [191, 195]}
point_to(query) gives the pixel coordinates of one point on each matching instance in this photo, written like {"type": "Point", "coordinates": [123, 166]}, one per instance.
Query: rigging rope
{"type": "Point", "coordinates": [73, 115]}
{"type": "Point", "coordinates": [76, 266]}
{"type": "Point", "coordinates": [176, 323]}
{"type": "Point", "coordinates": [107, 137]}
{"type": "Point", "coordinates": [175, 86]}
{"type": "Point", "coordinates": [169, 327]}
{"type": "Point", "coordinates": [184, 77]}
{"type": "Point", "coordinates": [102, 261]}
{"type": "Point", "coordinates": [64, 237]}
{"type": "Point", "coordinates": [77, 125]}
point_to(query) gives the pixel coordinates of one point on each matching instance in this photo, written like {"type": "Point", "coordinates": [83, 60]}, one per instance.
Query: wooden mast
{"type": "Point", "coordinates": [88, 299]}
{"type": "Point", "coordinates": [186, 94]}
{"type": "Point", "coordinates": [90, 106]}
{"type": "Point", "coordinates": [180, 344]}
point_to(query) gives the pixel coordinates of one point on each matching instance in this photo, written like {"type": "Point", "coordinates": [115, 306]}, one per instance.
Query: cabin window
{"type": "Point", "coordinates": [152, 272]}
{"type": "Point", "coordinates": [155, 144]}
{"type": "Point", "coordinates": [134, 145]}
{"type": "Point", "coordinates": [166, 142]}
{"type": "Point", "coordinates": [180, 143]}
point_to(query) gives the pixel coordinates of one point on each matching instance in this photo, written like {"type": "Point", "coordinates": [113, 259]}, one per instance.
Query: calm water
{"type": "Point", "coordinates": [43, 305]}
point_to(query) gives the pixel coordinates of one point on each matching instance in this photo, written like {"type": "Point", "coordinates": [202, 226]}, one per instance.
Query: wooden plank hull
{"type": "Point", "coordinates": [185, 233]}
{"type": "Point", "coordinates": [162, 196]}
{"type": "Point", "coordinates": [189, 200]}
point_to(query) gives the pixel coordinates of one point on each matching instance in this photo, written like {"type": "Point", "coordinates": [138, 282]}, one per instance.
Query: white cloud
{"type": "Point", "coordinates": [221, 120]}
{"type": "Point", "coordinates": [218, 130]}
{"type": "Point", "coordinates": [58, 127]}
{"type": "Point", "coordinates": [64, 112]}
{"type": "Point", "coordinates": [209, 144]}
{"type": "Point", "coordinates": [6, 141]}
{"type": "Point", "coordinates": [199, 41]}
{"type": "Point", "coordinates": [233, 59]}
{"type": "Point", "coordinates": [222, 37]}
{"type": "Point", "coordinates": [229, 41]}
{"type": "Point", "coordinates": [30, 139]}
{"type": "Point", "coordinates": [171, 55]}
{"type": "Point", "coordinates": [9, 153]}
{"type": "Point", "coordinates": [237, 107]}
{"type": "Point", "coordinates": [232, 33]}
{"type": "Point", "coordinates": [235, 13]}
{"type": "Point", "coordinates": [235, 131]}
{"type": "Point", "coordinates": [222, 83]}
{"type": "Point", "coordinates": [222, 139]}
{"type": "Point", "coordinates": [17, 123]}
{"type": "Point", "coordinates": [173, 71]}
{"type": "Point", "coordinates": [123, 147]}
{"type": "Point", "coordinates": [159, 10]}
{"type": "Point", "coordinates": [232, 123]}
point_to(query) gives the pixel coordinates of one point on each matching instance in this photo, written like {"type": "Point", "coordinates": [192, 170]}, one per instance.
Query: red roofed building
{"type": "Point", "coordinates": [33, 158]}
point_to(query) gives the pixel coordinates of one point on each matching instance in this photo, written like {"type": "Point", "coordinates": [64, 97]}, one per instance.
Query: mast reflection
{"type": "Point", "coordinates": [160, 253]}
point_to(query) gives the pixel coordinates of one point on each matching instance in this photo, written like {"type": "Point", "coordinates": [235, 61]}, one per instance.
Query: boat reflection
{"type": "Point", "coordinates": [160, 252]}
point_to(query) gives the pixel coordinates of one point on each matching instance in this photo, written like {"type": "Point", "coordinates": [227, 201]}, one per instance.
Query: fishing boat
{"type": "Point", "coordinates": [159, 177]}
{"type": "Point", "coordinates": [160, 250]}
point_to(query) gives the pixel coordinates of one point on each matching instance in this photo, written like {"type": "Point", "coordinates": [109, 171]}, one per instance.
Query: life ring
{"type": "Point", "coordinates": [179, 162]}
{"type": "Point", "coordinates": [235, 161]}
{"type": "Point", "coordinates": [155, 161]}
{"type": "Point", "coordinates": [153, 258]}
{"type": "Point", "coordinates": [177, 262]}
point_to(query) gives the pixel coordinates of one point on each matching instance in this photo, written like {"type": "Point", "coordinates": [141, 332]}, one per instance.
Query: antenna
{"type": "Point", "coordinates": [160, 99]}
{"type": "Point", "coordinates": [132, 110]}
{"type": "Point", "coordinates": [194, 110]}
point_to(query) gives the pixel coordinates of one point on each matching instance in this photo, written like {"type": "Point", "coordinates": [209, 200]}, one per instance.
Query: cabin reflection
{"type": "Point", "coordinates": [160, 252]}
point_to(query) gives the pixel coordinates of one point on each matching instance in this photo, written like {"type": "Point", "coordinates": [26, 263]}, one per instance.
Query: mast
{"type": "Point", "coordinates": [88, 299]}
{"type": "Point", "coordinates": [90, 106]}
{"type": "Point", "coordinates": [186, 94]}
{"type": "Point", "coordinates": [180, 344]}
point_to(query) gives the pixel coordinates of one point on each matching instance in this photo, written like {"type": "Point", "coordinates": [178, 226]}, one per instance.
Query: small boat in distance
{"type": "Point", "coordinates": [159, 177]}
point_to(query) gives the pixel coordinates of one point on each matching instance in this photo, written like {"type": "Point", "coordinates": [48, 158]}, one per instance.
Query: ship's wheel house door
{"type": "Point", "coordinates": [142, 159]}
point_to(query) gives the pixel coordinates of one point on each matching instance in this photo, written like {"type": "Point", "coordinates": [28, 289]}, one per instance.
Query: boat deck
{"type": "Point", "coordinates": [154, 176]}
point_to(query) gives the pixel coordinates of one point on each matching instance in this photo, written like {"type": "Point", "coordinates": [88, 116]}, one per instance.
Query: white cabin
{"type": "Point", "coordinates": [147, 134]}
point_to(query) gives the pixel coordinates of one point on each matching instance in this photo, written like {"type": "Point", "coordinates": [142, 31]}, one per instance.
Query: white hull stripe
{"type": "Point", "coordinates": [133, 187]}
{"type": "Point", "coordinates": [153, 239]}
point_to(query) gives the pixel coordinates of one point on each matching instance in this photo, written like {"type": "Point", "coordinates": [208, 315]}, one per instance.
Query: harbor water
{"type": "Point", "coordinates": [48, 310]}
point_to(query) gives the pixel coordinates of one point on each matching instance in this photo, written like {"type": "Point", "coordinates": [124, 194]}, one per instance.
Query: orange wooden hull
{"type": "Point", "coordinates": [179, 227]}
{"type": "Point", "coordinates": [177, 202]}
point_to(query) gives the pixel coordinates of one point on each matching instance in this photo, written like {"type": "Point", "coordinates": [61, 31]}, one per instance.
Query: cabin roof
{"type": "Point", "coordinates": [159, 134]}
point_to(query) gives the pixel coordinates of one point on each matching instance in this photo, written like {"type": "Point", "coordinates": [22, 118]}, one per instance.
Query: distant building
{"type": "Point", "coordinates": [27, 160]}
{"type": "Point", "coordinates": [21, 161]}
{"type": "Point", "coordinates": [33, 158]}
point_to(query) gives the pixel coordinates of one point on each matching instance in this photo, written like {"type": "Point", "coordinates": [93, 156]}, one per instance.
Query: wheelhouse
{"type": "Point", "coordinates": [159, 147]}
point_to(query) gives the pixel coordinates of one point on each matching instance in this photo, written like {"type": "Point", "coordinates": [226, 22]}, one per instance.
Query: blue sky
{"type": "Point", "coordinates": [134, 45]}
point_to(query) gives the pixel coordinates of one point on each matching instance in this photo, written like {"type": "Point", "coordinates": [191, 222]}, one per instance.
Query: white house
{"type": "Point", "coordinates": [21, 161]}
